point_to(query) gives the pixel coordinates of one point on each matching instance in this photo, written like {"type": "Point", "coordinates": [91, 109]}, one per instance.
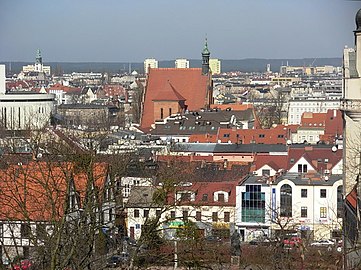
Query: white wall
{"type": "Point", "coordinates": [2, 80]}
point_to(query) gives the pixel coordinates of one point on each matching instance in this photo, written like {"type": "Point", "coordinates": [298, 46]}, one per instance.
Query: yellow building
{"type": "Point", "coordinates": [215, 66]}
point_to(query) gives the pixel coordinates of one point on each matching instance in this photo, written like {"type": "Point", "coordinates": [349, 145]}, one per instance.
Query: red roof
{"type": "Point", "coordinates": [168, 93]}
{"type": "Point", "coordinates": [189, 83]}
{"type": "Point", "coordinates": [36, 191]}
{"type": "Point", "coordinates": [275, 162]}
{"type": "Point", "coordinates": [315, 120]}
{"type": "Point", "coordinates": [315, 156]}
{"type": "Point", "coordinates": [209, 188]}
{"type": "Point", "coordinates": [351, 198]}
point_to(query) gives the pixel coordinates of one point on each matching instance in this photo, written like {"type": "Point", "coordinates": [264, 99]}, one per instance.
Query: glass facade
{"type": "Point", "coordinates": [253, 204]}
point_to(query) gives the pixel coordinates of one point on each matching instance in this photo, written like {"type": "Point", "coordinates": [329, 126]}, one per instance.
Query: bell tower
{"type": "Point", "coordinates": [205, 59]}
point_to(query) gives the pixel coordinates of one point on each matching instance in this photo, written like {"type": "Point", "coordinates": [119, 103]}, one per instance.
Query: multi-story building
{"type": "Point", "coordinates": [150, 63]}
{"type": "Point", "coordinates": [181, 63]}
{"type": "Point", "coordinates": [215, 66]}
{"type": "Point", "coordinates": [297, 107]}
{"type": "Point", "coordinates": [307, 204]}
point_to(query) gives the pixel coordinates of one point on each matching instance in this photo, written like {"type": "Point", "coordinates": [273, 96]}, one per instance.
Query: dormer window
{"type": "Point", "coordinates": [185, 197]}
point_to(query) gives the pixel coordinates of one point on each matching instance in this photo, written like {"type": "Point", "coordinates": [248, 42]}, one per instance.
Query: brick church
{"type": "Point", "coordinates": [176, 90]}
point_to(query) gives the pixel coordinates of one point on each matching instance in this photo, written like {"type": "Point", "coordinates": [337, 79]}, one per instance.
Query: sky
{"type": "Point", "coordinates": [132, 30]}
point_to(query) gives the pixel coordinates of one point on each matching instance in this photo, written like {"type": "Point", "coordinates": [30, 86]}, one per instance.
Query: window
{"type": "Point", "coordinates": [158, 212]}
{"type": "Point", "coordinates": [205, 197]}
{"type": "Point", "coordinates": [172, 214]}
{"type": "Point", "coordinates": [215, 216]}
{"type": "Point", "coordinates": [323, 193]}
{"type": "Point", "coordinates": [221, 197]}
{"type": "Point", "coordinates": [323, 212]}
{"type": "Point", "coordinates": [326, 160]}
{"type": "Point", "coordinates": [161, 113]}
{"type": "Point", "coordinates": [185, 197]}
{"type": "Point", "coordinates": [266, 172]}
{"type": "Point", "coordinates": [339, 202]}
{"type": "Point", "coordinates": [146, 213]}
{"type": "Point", "coordinates": [280, 136]}
{"type": "Point", "coordinates": [303, 193]}
{"type": "Point", "coordinates": [170, 111]}
{"type": "Point", "coordinates": [286, 201]}
{"type": "Point", "coordinates": [198, 216]}
{"type": "Point", "coordinates": [302, 168]}
{"type": "Point", "coordinates": [226, 216]}
{"type": "Point", "coordinates": [303, 211]}
{"type": "Point", "coordinates": [25, 230]}
{"type": "Point", "coordinates": [261, 135]}
{"type": "Point", "coordinates": [226, 135]}
{"type": "Point", "coordinates": [185, 214]}
{"type": "Point", "coordinates": [136, 213]}
{"type": "Point", "coordinates": [292, 160]}
{"type": "Point", "coordinates": [253, 204]}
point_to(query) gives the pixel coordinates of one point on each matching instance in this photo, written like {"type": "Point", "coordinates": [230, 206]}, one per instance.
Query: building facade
{"type": "Point", "coordinates": [181, 63]}
{"type": "Point", "coordinates": [215, 66]}
{"type": "Point", "coordinates": [150, 63]}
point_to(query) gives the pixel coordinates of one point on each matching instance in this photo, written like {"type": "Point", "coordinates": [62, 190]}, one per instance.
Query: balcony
{"type": "Point", "coordinates": [352, 107]}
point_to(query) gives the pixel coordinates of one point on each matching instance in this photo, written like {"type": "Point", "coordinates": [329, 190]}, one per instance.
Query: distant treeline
{"type": "Point", "coordinates": [245, 65]}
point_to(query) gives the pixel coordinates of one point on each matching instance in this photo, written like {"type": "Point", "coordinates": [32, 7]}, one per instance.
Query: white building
{"type": "Point", "coordinates": [297, 107]}
{"type": "Point", "coordinates": [310, 206]}
{"type": "Point", "coordinates": [24, 110]}
{"type": "Point", "coordinates": [150, 63]}
{"type": "Point", "coordinates": [181, 63]}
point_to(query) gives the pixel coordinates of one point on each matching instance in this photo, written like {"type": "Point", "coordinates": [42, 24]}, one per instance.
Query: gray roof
{"type": "Point", "coordinates": [310, 180]}
{"type": "Point", "coordinates": [206, 122]}
{"type": "Point", "coordinates": [229, 148]}
{"type": "Point", "coordinates": [81, 106]}
{"type": "Point", "coordinates": [141, 196]}
{"type": "Point", "coordinates": [296, 178]}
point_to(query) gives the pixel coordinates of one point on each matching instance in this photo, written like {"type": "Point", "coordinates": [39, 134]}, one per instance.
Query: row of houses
{"type": "Point", "coordinates": [299, 188]}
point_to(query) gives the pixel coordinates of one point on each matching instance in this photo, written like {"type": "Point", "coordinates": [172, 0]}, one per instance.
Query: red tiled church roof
{"type": "Point", "coordinates": [168, 93]}
{"type": "Point", "coordinates": [189, 82]}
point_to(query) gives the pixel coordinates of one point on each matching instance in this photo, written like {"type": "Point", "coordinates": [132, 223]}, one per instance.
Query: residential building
{"type": "Point", "coordinates": [181, 63]}
{"type": "Point", "coordinates": [308, 205]}
{"type": "Point", "coordinates": [150, 63]}
{"type": "Point", "coordinates": [215, 66]}
{"type": "Point", "coordinates": [180, 128]}
{"type": "Point", "coordinates": [296, 107]}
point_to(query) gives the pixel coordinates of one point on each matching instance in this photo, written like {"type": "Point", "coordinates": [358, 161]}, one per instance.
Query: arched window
{"type": "Point", "coordinates": [286, 201]}
{"type": "Point", "coordinates": [339, 202]}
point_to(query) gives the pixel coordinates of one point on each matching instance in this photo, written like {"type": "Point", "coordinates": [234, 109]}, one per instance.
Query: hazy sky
{"type": "Point", "coordinates": [132, 30]}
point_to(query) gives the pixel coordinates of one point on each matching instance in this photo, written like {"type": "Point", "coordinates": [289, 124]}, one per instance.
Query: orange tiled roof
{"type": "Point", "coordinates": [189, 82]}
{"type": "Point", "coordinates": [37, 191]}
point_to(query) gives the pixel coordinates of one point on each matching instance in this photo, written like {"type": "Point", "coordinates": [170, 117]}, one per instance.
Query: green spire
{"type": "Point", "coordinates": [205, 49]}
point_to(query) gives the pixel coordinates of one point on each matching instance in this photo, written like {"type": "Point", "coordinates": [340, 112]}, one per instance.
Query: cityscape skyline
{"type": "Point", "coordinates": [91, 31]}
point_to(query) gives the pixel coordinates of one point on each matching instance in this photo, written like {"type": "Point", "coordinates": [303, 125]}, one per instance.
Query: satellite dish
{"type": "Point", "coordinates": [334, 148]}
{"type": "Point", "coordinates": [326, 178]}
{"type": "Point", "coordinates": [289, 142]}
